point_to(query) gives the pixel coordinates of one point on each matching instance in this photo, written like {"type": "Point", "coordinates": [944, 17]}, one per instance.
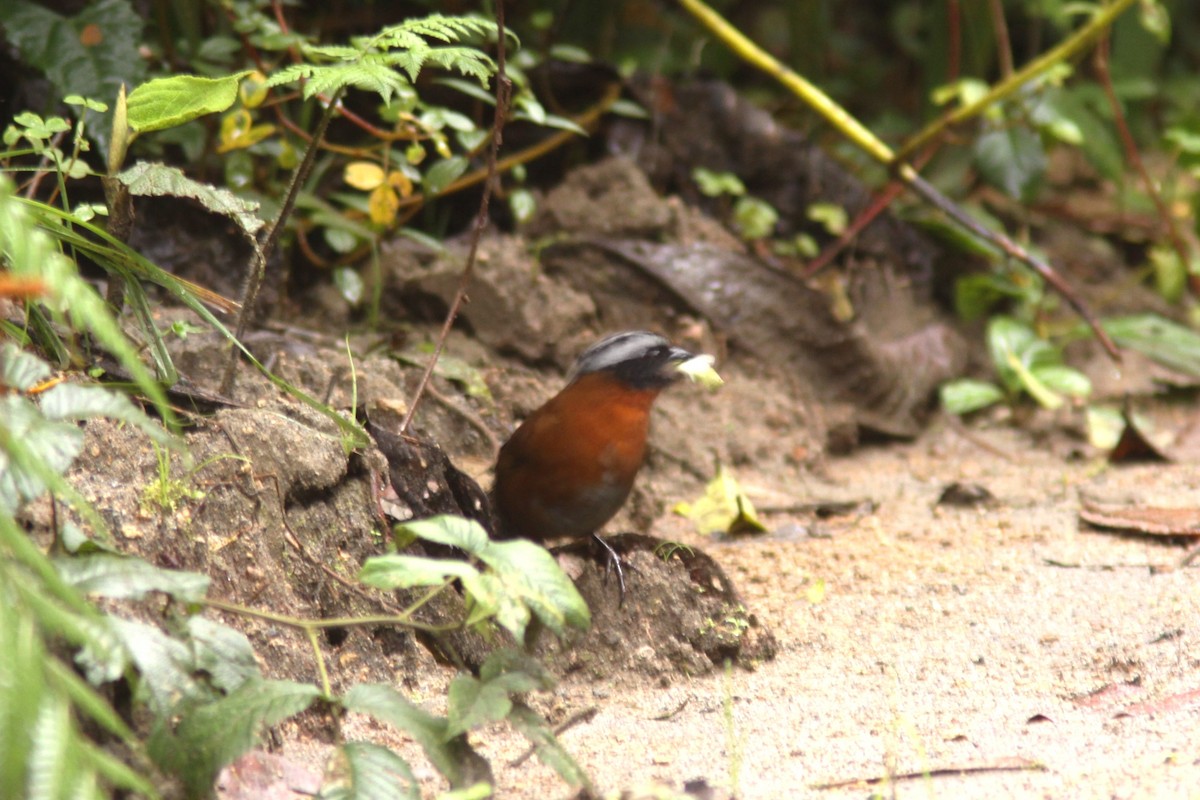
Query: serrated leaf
{"type": "Point", "coordinates": [966, 395]}
{"type": "Point", "coordinates": [165, 665]}
{"type": "Point", "coordinates": [368, 74]}
{"type": "Point", "coordinates": [50, 757]}
{"type": "Point", "coordinates": [222, 653]}
{"type": "Point", "coordinates": [127, 578]}
{"type": "Point", "coordinates": [150, 179]}
{"type": "Point", "coordinates": [387, 705]}
{"type": "Point", "coordinates": [404, 572]}
{"type": "Point", "coordinates": [366, 771]}
{"type": "Point", "coordinates": [72, 401]}
{"type": "Point", "coordinates": [21, 370]}
{"type": "Point", "coordinates": [465, 534]}
{"type": "Point", "coordinates": [531, 577]}
{"type": "Point", "coordinates": [472, 703]}
{"type": "Point", "coordinates": [546, 745]}
{"type": "Point", "coordinates": [167, 102]}
{"type": "Point", "coordinates": [36, 450]}
{"type": "Point", "coordinates": [211, 735]}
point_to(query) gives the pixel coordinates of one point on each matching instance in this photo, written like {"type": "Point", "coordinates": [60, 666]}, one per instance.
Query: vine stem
{"type": "Point", "coordinates": [898, 163]}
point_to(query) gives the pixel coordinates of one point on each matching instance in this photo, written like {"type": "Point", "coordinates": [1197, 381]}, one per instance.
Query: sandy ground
{"type": "Point", "coordinates": [946, 639]}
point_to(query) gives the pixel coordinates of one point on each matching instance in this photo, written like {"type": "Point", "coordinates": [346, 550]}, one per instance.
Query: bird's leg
{"type": "Point", "coordinates": [614, 562]}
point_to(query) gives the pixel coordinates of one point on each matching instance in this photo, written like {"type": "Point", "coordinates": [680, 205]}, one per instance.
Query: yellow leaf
{"type": "Point", "coordinates": [400, 182]}
{"type": "Point", "coordinates": [363, 175]}
{"type": "Point", "coordinates": [722, 508]}
{"type": "Point", "coordinates": [238, 131]}
{"type": "Point", "coordinates": [252, 91]}
{"type": "Point", "coordinates": [815, 592]}
{"type": "Point", "coordinates": [700, 369]}
{"type": "Point", "coordinates": [383, 205]}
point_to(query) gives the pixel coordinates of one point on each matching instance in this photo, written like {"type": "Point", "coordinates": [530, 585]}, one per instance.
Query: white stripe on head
{"type": "Point", "coordinates": [614, 349]}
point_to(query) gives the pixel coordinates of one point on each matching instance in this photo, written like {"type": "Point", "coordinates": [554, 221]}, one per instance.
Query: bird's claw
{"type": "Point", "coordinates": [614, 563]}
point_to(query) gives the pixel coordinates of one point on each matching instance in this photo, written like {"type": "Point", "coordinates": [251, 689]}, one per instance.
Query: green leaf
{"type": "Point", "coordinates": [20, 370]}
{"type": "Point", "coordinates": [167, 102]}
{"type": "Point", "coordinates": [470, 378]}
{"type": "Point", "coordinates": [400, 571]}
{"type": "Point", "coordinates": [715, 184]}
{"type": "Point", "coordinates": [830, 215]}
{"type": "Point", "coordinates": [546, 745]}
{"type": "Point", "coordinates": [149, 179]}
{"type": "Point", "coordinates": [523, 205]}
{"type": "Point", "coordinates": [755, 218]}
{"type": "Point", "coordinates": [966, 395]}
{"type": "Point", "coordinates": [976, 295]}
{"type": "Point", "coordinates": [348, 281]}
{"type": "Point", "coordinates": [1064, 380]}
{"type": "Point", "coordinates": [531, 577]}
{"type": "Point", "coordinates": [1170, 272]}
{"type": "Point", "coordinates": [127, 578]}
{"type": "Point", "coordinates": [465, 534]}
{"type": "Point", "coordinates": [473, 703]}
{"type": "Point", "coordinates": [444, 173]}
{"type": "Point", "coordinates": [1007, 338]}
{"type": "Point", "coordinates": [211, 735]}
{"type": "Point", "coordinates": [369, 75]}
{"type": "Point", "coordinates": [480, 791]}
{"type": "Point", "coordinates": [222, 653]}
{"type": "Point", "coordinates": [387, 705]}
{"type": "Point", "coordinates": [366, 771]}
{"type": "Point", "coordinates": [1167, 342]}
{"type": "Point", "coordinates": [1013, 160]}
{"type": "Point", "coordinates": [90, 54]}
{"type": "Point", "coordinates": [35, 451]}
{"type": "Point", "coordinates": [72, 401]}
{"type": "Point", "coordinates": [1032, 384]}
{"type": "Point", "coordinates": [32, 253]}
{"type": "Point", "coordinates": [165, 664]}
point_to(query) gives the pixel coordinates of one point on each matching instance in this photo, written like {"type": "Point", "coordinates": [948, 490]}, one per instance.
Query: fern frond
{"type": "Point", "coordinates": [435, 26]}
{"type": "Point", "coordinates": [368, 73]}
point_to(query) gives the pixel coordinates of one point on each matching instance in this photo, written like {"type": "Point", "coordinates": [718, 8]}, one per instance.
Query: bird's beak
{"type": "Point", "coordinates": [698, 368]}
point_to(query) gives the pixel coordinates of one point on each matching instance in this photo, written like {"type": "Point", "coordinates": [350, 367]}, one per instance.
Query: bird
{"type": "Point", "coordinates": [570, 466]}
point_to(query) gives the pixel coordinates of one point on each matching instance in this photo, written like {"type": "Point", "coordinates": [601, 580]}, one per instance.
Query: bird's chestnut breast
{"type": "Point", "coordinates": [570, 466]}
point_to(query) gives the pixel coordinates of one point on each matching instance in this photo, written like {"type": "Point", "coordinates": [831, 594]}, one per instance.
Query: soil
{"type": "Point", "coordinates": [878, 640]}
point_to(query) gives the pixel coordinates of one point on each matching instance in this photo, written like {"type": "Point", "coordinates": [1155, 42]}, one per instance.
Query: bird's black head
{"type": "Point", "coordinates": [641, 359]}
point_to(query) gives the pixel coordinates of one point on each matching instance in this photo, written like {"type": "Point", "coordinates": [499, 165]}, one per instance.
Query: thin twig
{"type": "Point", "coordinates": [503, 93]}
{"type": "Point", "coordinates": [1003, 41]}
{"type": "Point", "coordinates": [258, 264]}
